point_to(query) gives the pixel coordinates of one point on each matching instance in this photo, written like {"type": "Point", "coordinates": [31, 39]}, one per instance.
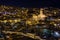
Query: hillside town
{"type": "Point", "coordinates": [29, 23]}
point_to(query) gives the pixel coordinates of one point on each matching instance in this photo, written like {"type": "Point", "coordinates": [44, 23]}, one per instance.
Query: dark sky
{"type": "Point", "coordinates": [31, 3]}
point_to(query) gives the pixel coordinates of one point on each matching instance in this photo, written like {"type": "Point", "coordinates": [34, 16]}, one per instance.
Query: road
{"type": "Point", "coordinates": [21, 33]}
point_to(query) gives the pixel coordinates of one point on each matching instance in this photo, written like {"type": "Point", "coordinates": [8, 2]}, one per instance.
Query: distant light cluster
{"type": "Point", "coordinates": [33, 23]}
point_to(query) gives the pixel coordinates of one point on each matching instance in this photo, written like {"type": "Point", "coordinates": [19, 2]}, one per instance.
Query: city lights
{"type": "Point", "coordinates": [34, 23]}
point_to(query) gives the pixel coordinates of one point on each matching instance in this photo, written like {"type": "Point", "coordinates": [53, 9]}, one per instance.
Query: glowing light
{"type": "Point", "coordinates": [15, 20]}
{"type": "Point", "coordinates": [5, 21]}
{"type": "Point", "coordinates": [10, 20]}
{"type": "Point", "coordinates": [55, 24]}
{"type": "Point", "coordinates": [28, 22]}
{"type": "Point", "coordinates": [56, 34]}
{"type": "Point", "coordinates": [35, 17]}
{"type": "Point", "coordinates": [41, 16]}
{"type": "Point", "coordinates": [54, 12]}
{"type": "Point", "coordinates": [18, 20]}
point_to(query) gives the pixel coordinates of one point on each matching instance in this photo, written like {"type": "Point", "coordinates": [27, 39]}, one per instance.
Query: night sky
{"type": "Point", "coordinates": [31, 3]}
